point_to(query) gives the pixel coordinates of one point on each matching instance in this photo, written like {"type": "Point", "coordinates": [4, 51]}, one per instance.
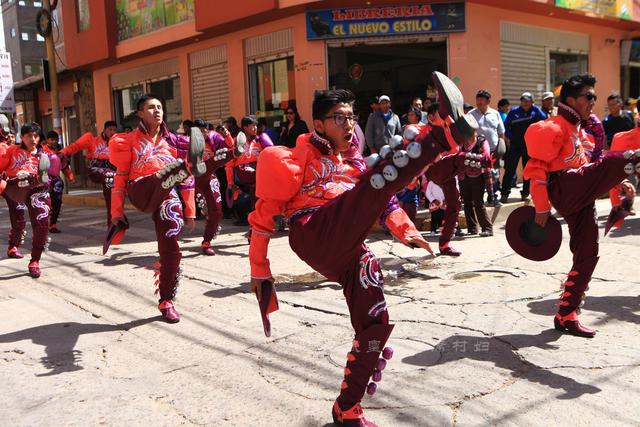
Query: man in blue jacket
{"type": "Point", "coordinates": [518, 121]}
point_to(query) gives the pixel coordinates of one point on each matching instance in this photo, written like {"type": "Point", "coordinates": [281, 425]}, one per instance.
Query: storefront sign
{"type": "Point", "coordinates": [622, 9]}
{"type": "Point", "coordinates": [385, 21]}
{"type": "Point", "coordinates": [7, 102]}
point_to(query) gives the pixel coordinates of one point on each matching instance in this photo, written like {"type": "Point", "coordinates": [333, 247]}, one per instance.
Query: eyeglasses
{"type": "Point", "coordinates": [589, 96]}
{"type": "Point", "coordinates": [340, 119]}
{"type": "Point", "coordinates": [290, 113]}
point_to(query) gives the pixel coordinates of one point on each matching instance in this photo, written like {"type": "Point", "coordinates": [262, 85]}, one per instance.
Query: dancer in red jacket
{"type": "Point", "coordinates": [148, 170]}
{"type": "Point", "coordinates": [323, 188]}
{"type": "Point", "coordinates": [218, 151]}
{"type": "Point", "coordinates": [26, 167]}
{"type": "Point", "coordinates": [561, 175]}
{"type": "Point", "coordinates": [101, 171]}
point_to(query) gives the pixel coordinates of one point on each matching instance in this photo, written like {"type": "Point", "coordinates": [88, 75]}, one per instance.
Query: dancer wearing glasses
{"type": "Point", "coordinates": [331, 200]}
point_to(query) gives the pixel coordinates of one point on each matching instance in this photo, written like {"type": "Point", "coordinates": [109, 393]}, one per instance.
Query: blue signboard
{"type": "Point", "coordinates": [385, 21]}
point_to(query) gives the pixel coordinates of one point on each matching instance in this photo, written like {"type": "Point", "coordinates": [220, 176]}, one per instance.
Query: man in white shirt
{"type": "Point", "coordinates": [492, 128]}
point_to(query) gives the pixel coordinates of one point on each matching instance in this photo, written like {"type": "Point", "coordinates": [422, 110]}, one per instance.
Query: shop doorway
{"type": "Point", "coordinates": [400, 70]}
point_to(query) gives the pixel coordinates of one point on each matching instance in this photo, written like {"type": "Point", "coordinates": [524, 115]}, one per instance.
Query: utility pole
{"type": "Point", "coordinates": [44, 26]}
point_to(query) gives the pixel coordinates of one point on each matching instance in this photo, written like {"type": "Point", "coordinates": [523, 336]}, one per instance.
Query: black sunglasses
{"type": "Point", "coordinates": [590, 96]}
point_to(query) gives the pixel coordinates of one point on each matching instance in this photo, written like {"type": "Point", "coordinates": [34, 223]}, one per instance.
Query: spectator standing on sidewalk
{"type": "Point", "coordinates": [504, 106]}
{"type": "Point", "coordinates": [472, 185]}
{"type": "Point", "coordinates": [292, 128]}
{"type": "Point", "coordinates": [518, 121]}
{"type": "Point", "coordinates": [382, 125]}
{"type": "Point", "coordinates": [548, 99]}
{"type": "Point", "coordinates": [618, 120]}
{"type": "Point", "coordinates": [492, 129]}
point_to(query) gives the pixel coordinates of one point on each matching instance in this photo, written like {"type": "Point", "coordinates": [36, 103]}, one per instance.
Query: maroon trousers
{"type": "Point", "coordinates": [472, 190]}
{"type": "Point", "coordinates": [18, 222]}
{"type": "Point", "coordinates": [331, 241]}
{"type": "Point", "coordinates": [573, 193]}
{"type": "Point", "coordinates": [38, 203]}
{"type": "Point", "coordinates": [147, 195]}
{"type": "Point", "coordinates": [98, 173]}
{"type": "Point", "coordinates": [209, 186]}
{"type": "Point", "coordinates": [452, 200]}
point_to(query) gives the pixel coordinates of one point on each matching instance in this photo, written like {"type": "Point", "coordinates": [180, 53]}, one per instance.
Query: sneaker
{"type": "Point", "coordinates": [54, 229]}
{"type": "Point", "coordinates": [207, 249]}
{"type": "Point", "coordinates": [14, 253]}
{"type": "Point", "coordinates": [486, 233]}
{"type": "Point", "coordinates": [458, 233]}
{"type": "Point", "coordinates": [472, 232]}
{"type": "Point", "coordinates": [525, 198]}
{"type": "Point", "coordinates": [504, 199]}
{"type": "Point", "coordinates": [450, 251]}
{"type": "Point", "coordinates": [34, 269]}
{"type": "Point", "coordinates": [169, 313]}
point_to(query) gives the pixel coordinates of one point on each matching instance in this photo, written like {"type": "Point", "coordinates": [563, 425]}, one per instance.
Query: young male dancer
{"type": "Point", "coordinates": [148, 168]}
{"type": "Point", "coordinates": [26, 167]}
{"type": "Point", "coordinates": [56, 185]}
{"type": "Point", "coordinates": [218, 151]}
{"type": "Point", "coordinates": [101, 171]}
{"type": "Point", "coordinates": [331, 201]}
{"type": "Point", "coordinates": [562, 176]}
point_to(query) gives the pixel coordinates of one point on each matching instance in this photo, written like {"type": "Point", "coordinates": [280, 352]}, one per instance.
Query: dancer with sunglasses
{"type": "Point", "coordinates": [562, 175]}
{"type": "Point", "coordinates": [331, 200]}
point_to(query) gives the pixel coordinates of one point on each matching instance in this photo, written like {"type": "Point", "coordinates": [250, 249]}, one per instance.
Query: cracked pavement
{"type": "Point", "coordinates": [474, 340]}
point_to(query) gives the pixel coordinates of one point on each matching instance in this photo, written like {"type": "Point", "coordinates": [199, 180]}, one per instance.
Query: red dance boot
{"type": "Point", "coordinates": [34, 269]}
{"type": "Point", "coordinates": [352, 417]}
{"type": "Point", "coordinates": [169, 313]}
{"type": "Point", "coordinates": [571, 324]}
{"type": "Point", "coordinates": [13, 252]}
{"type": "Point", "coordinates": [362, 361]}
{"type": "Point", "coordinates": [207, 249]}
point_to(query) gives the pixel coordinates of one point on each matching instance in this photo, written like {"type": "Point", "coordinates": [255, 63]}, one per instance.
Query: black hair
{"type": "Point", "coordinates": [187, 123]}
{"type": "Point", "coordinates": [415, 111]}
{"type": "Point", "coordinates": [200, 123]}
{"type": "Point", "coordinates": [262, 121]}
{"type": "Point", "coordinates": [295, 112]}
{"type": "Point", "coordinates": [615, 96]}
{"type": "Point", "coordinates": [110, 123]}
{"type": "Point", "coordinates": [231, 120]}
{"type": "Point", "coordinates": [144, 98]}
{"type": "Point", "coordinates": [431, 109]}
{"type": "Point", "coordinates": [325, 100]}
{"type": "Point", "coordinates": [482, 93]}
{"type": "Point", "coordinates": [503, 102]}
{"type": "Point", "coordinates": [30, 127]}
{"type": "Point", "coordinates": [248, 120]}
{"type": "Point", "coordinates": [574, 85]}
{"type": "Point", "coordinates": [415, 98]}
{"type": "Point", "coordinates": [52, 134]}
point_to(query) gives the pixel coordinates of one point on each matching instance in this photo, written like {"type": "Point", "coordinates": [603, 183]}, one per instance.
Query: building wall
{"type": "Point", "coordinates": [309, 60]}
{"type": "Point", "coordinates": [474, 56]}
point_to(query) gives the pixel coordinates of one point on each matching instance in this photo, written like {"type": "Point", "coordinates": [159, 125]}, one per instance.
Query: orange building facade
{"type": "Point", "coordinates": [212, 60]}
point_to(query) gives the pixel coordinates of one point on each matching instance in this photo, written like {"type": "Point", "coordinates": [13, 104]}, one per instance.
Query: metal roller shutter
{"type": "Point", "coordinates": [210, 85]}
{"type": "Point", "coordinates": [524, 69]}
